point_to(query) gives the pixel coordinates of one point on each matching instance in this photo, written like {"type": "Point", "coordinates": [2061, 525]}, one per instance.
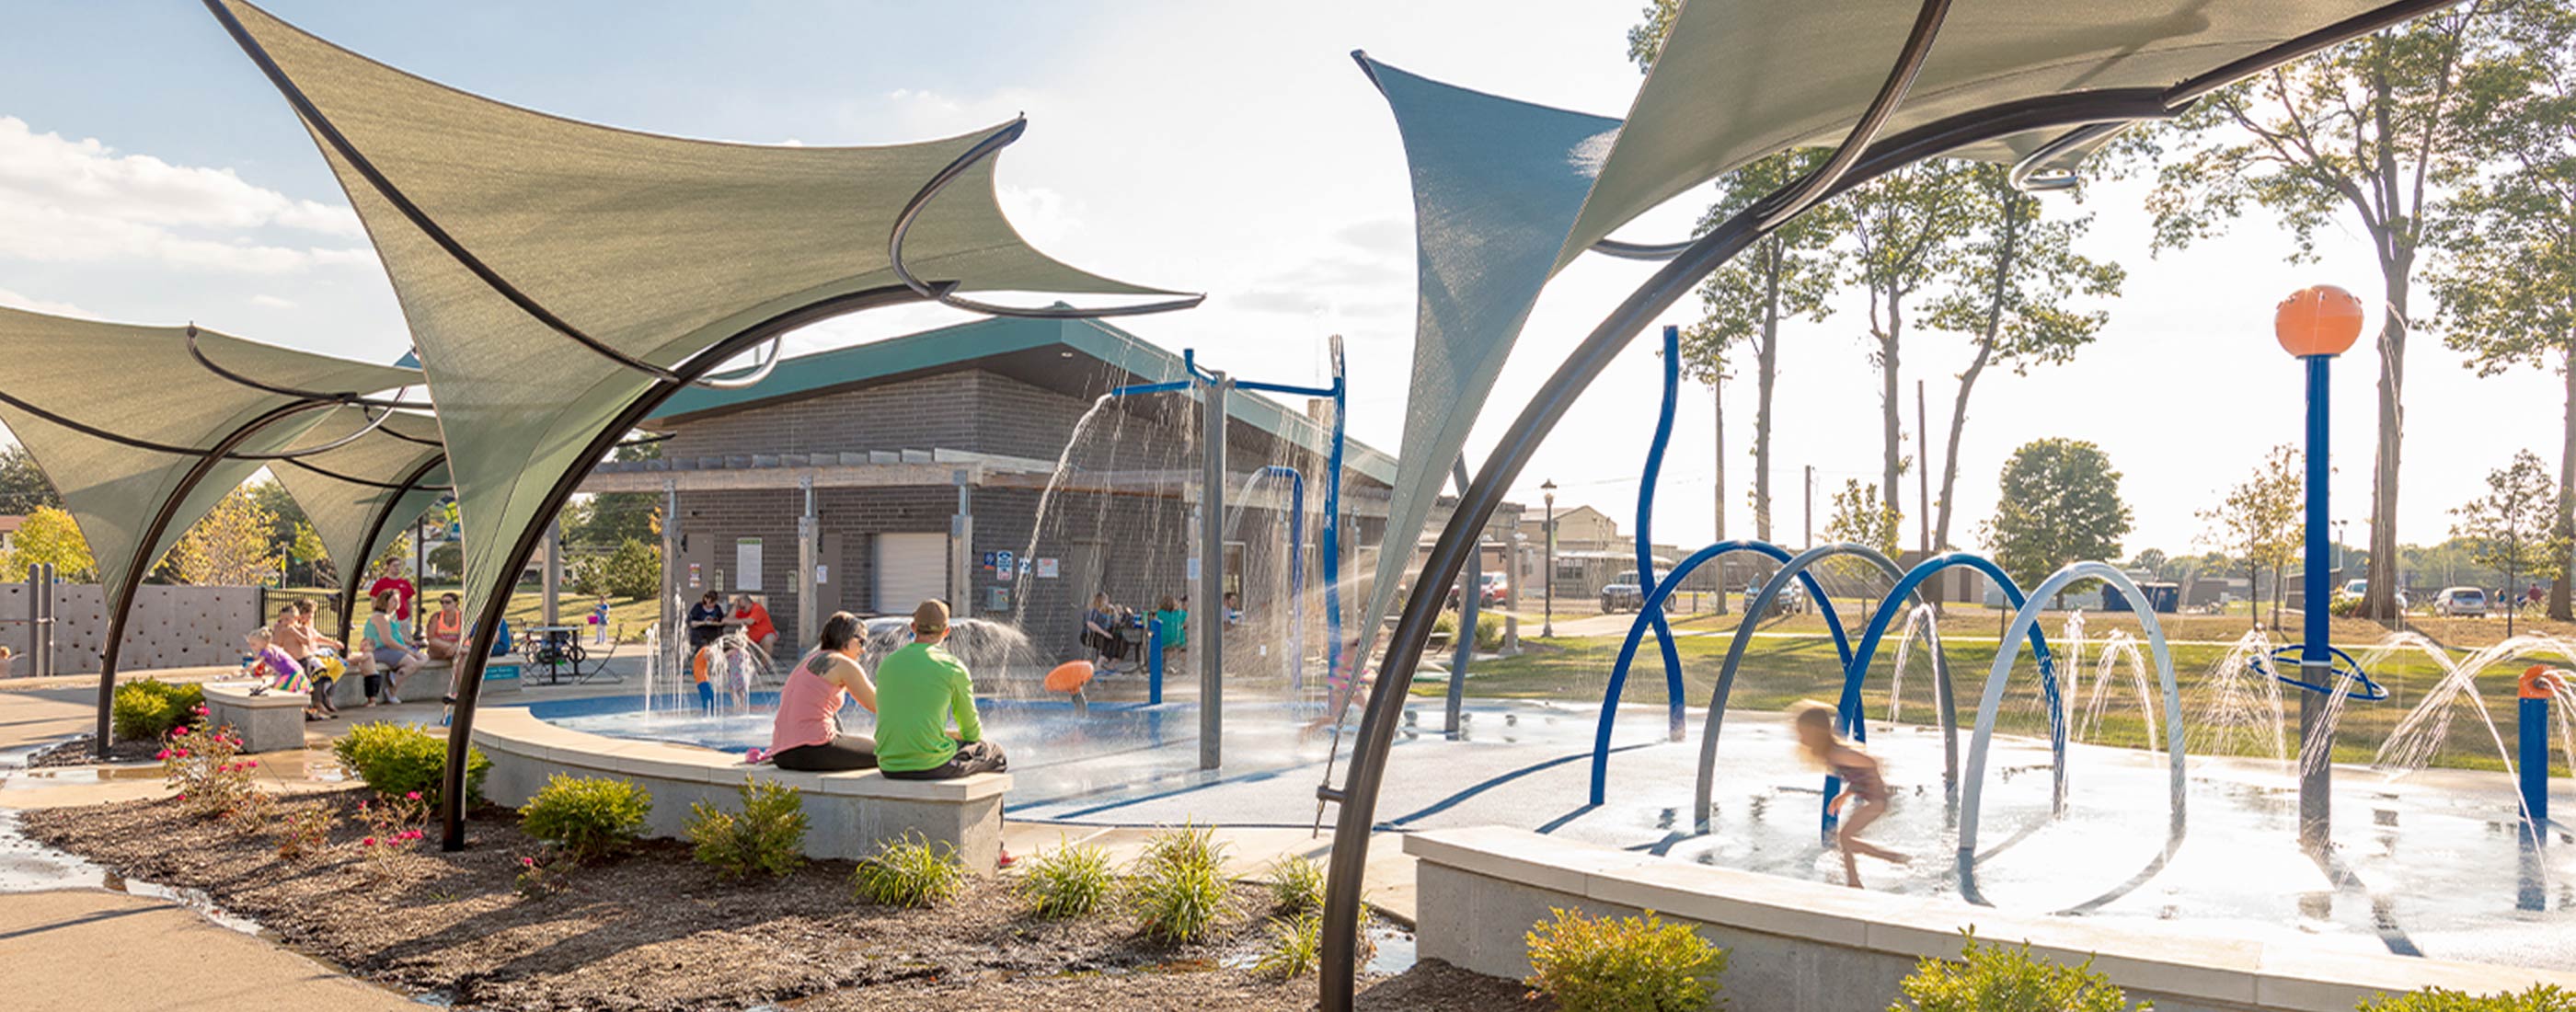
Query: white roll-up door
{"type": "Point", "coordinates": [910, 569]}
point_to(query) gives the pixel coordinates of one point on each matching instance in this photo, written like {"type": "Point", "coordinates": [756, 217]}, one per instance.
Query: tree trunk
{"type": "Point", "coordinates": [1891, 407]}
{"type": "Point", "coordinates": [2006, 254]}
{"type": "Point", "coordinates": [2558, 593]}
{"type": "Point", "coordinates": [1766, 369]}
{"type": "Point", "coordinates": [2380, 601]}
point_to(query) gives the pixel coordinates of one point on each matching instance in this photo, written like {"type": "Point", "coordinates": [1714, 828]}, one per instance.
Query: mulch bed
{"type": "Point", "coordinates": [76, 752]}
{"type": "Point", "coordinates": [654, 930]}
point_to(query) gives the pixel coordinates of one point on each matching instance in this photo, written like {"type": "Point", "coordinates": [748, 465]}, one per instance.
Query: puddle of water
{"type": "Point", "coordinates": [28, 866]}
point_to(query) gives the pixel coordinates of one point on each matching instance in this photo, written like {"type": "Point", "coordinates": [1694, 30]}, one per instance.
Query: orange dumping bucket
{"type": "Point", "coordinates": [1069, 676]}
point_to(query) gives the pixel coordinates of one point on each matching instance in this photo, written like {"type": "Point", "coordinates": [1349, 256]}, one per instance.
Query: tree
{"type": "Point", "coordinates": [2514, 527]}
{"type": "Point", "coordinates": [2262, 521]}
{"type": "Point", "coordinates": [23, 488]}
{"type": "Point", "coordinates": [2059, 502]}
{"type": "Point", "coordinates": [2152, 560]}
{"type": "Point", "coordinates": [1862, 517]}
{"type": "Point", "coordinates": [2363, 129]}
{"type": "Point", "coordinates": [614, 518]}
{"type": "Point", "coordinates": [2009, 283]}
{"type": "Point", "coordinates": [1902, 226]}
{"type": "Point", "coordinates": [49, 537]}
{"type": "Point", "coordinates": [306, 550]}
{"type": "Point", "coordinates": [2506, 273]}
{"type": "Point", "coordinates": [633, 570]}
{"type": "Point", "coordinates": [231, 547]}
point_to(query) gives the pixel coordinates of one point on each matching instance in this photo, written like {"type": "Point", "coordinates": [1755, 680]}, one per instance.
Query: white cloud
{"type": "Point", "coordinates": [271, 302]}
{"type": "Point", "coordinates": [32, 304]}
{"type": "Point", "coordinates": [1041, 215]}
{"type": "Point", "coordinates": [67, 201]}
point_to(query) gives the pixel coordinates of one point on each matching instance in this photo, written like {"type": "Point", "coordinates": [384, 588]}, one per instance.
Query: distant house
{"type": "Point", "coordinates": [9, 534]}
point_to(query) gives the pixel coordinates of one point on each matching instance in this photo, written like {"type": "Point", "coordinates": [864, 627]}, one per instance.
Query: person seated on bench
{"type": "Point", "coordinates": [919, 688]}
{"type": "Point", "coordinates": [807, 736]}
{"type": "Point", "coordinates": [446, 629]}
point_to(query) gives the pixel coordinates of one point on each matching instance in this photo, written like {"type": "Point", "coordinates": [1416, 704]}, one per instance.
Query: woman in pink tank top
{"type": "Point", "coordinates": [808, 736]}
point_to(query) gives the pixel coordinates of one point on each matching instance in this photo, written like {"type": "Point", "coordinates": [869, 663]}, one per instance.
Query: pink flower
{"type": "Point", "coordinates": [527, 862]}
{"type": "Point", "coordinates": [183, 797]}
{"type": "Point", "coordinates": [368, 842]}
{"type": "Point", "coordinates": [163, 754]}
{"type": "Point", "coordinates": [183, 753]}
{"type": "Point", "coordinates": [252, 764]}
{"type": "Point", "coordinates": [411, 796]}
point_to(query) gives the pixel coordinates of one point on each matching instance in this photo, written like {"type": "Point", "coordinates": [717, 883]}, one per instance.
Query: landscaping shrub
{"type": "Point", "coordinates": [1489, 631]}
{"type": "Point", "coordinates": [394, 824]}
{"type": "Point", "coordinates": [1296, 884]}
{"type": "Point", "coordinates": [148, 709]}
{"type": "Point", "coordinates": [398, 759]}
{"type": "Point", "coordinates": [1292, 946]}
{"type": "Point", "coordinates": [202, 763]}
{"type": "Point", "coordinates": [305, 831]}
{"type": "Point", "coordinates": [1178, 887]}
{"type": "Point", "coordinates": [541, 876]}
{"type": "Point", "coordinates": [769, 835]}
{"type": "Point", "coordinates": [910, 872]}
{"type": "Point", "coordinates": [2541, 998]}
{"type": "Point", "coordinates": [1996, 978]}
{"type": "Point", "coordinates": [1624, 964]}
{"type": "Point", "coordinates": [589, 817]}
{"type": "Point", "coordinates": [1069, 881]}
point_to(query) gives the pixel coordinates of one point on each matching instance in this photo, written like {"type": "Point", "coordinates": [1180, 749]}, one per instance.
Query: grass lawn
{"type": "Point", "coordinates": [1780, 670]}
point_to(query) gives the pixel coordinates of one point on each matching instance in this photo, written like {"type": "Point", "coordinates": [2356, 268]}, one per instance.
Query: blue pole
{"type": "Point", "coordinates": [1296, 563]}
{"type": "Point", "coordinates": [1645, 526]}
{"type": "Point", "coordinates": [1333, 530]}
{"type": "Point", "coordinates": [2532, 763]}
{"type": "Point", "coordinates": [1154, 661]}
{"type": "Point", "coordinates": [2316, 657]}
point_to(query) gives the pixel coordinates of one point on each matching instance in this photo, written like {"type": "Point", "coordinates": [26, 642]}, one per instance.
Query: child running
{"type": "Point", "coordinates": [1862, 785]}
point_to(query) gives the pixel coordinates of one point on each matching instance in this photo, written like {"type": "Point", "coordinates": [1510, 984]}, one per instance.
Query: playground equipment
{"type": "Point", "coordinates": [1070, 678]}
{"type": "Point", "coordinates": [1213, 388]}
{"type": "Point", "coordinates": [1646, 484]}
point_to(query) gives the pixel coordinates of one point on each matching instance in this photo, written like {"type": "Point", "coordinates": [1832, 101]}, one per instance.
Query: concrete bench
{"type": "Point", "coordinates": [272, 722]}
{"type": "Point", "coordinates": [850, 814]}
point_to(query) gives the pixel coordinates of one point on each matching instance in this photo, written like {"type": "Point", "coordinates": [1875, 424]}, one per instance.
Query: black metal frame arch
{"type": "Point", "coordinates": [346, 397]}
{"type": "Point", "coordinates": [367, 482]}
{"type": "Point", "coordinates": [121, 603]}
{"type": "Point", "coordinates": [375, 532]}
{"type": "Point", "coordinates": [1358, 796]}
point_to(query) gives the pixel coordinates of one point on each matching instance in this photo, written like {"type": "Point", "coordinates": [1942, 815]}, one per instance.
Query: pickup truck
{"type": "Point", "coordinates": [1625, 594]}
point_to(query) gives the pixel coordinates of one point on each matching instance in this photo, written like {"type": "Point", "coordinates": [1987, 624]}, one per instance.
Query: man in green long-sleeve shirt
{"type": "Point", "coordinates": [919, 687]}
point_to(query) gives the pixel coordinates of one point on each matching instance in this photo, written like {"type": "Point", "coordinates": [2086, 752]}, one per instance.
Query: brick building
{"type": "Point", "coordinates": [868, 478]}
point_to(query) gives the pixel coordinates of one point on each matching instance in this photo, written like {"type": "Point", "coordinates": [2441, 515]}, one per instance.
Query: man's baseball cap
{"type": "Point", "coordinates": [931, 617]}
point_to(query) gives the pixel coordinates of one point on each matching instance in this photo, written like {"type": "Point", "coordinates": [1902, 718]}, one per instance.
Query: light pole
{"type": "Point", "coordinates": [1547, 624]}
{"type": "Point", "coordinates": [2316, 324]}
{"type": "Point", "coordinates": [2338, 548]}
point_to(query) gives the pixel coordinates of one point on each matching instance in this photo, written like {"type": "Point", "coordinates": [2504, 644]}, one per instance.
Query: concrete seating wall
{"type": "Point", "coordinates": [270, 722]}
{"type": "Point", "coordinates": [1796, 946]}
{"type": "Point", "coordinates": [850, 813]}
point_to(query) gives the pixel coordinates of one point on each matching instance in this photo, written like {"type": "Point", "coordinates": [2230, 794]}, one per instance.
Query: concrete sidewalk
{"type": "Point", "coordinates": [99, 949]}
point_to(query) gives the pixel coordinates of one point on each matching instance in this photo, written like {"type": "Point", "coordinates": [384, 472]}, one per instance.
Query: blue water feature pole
{"type": "Point", "coordinates": [1154, 661]}
{"type": "Point", "coordinates": [1296, 570]}
{"type": "Point", "coordinates": [2532, 760]}
{"type": "Point", "coordinates": [1645, 530]}
{"type": "Point", "coordinates": [2316, 324]}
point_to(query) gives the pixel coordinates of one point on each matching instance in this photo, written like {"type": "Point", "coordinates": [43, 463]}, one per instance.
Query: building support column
{"type": "Point", "coordinates": [1209, 644]}
{"type": "Point", "coordinates": [961, 547]}
{"type": "Point", "coordinates": [808, 555]}
{"type": "Point", "coordinates": [670, 634]}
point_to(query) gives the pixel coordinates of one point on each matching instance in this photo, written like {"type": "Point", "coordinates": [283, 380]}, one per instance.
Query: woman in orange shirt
{"type": "Point", "coordinates": [755, 622]}
{"type": "Point", "coordinates": [446, 629]}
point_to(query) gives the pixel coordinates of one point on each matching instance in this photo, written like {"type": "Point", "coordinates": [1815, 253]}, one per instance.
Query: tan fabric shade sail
{"type": "Point", "coordinates": [555, 273]}
{"type": "Point", "coordinates": [142, 383]}
{"type": "Point", "coordinates": [354, 492]}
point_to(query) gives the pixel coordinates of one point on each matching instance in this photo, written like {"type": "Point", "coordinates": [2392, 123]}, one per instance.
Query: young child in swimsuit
{"type": "Point", "coordinates": [1863, 788]}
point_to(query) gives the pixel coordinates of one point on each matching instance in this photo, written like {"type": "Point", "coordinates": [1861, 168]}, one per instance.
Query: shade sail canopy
{"type": "Point", "coordinates": [142, 383]}
{"type": "Point", "coordinates": [1741, 79]}
{"type": "Point", "coordinates": [512, 236]}
{"type": "Point", "coordinates": [379, 480]}
{"type": "Point", "coordinates": [1496, 183]}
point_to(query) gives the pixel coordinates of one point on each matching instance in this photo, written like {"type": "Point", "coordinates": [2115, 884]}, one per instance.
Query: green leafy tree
{"type": "Point", "coordinates": [49, 537]}
{"type": "Point", "coordinates": [307, 552]}
{"type": "Point", "coordinates": [231, 547]}
{"type": "Point", "coordinates": [2010, 282]}
{"type": "Point", "coordinates": [2059, 502]}
{"type": "Point", "coordinates": [2263, 522]}
{"type": "Point", "coordinates": [634, 569]}
{"type": "Point", "coordinates": [1905, 228]}
{"type": "Point", "coordinates": [613, 518]}
{"type": "Point", "coordinates": [23, 488]}
{"type": "Point", "coordinates": [2358, 134]}
{"type": "Point", "coordinates": [284, 513]}
{"type": "Point", "coordinates": [1861, 516]}
{"type": "Point", "coordinates": [2505, 273]}
{"type": "Point", "coordinates": [2514, 527]}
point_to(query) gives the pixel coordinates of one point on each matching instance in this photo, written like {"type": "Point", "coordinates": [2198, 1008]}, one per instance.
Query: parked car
{"type": "Point", "coordinates": [2361, 588]}
{"type": "Point", "coordinates": [1624, 593]}
{"type": "Point", "coordinates": [1495, 591]}
{"type": "Point", "coordinates": [2460, 602]}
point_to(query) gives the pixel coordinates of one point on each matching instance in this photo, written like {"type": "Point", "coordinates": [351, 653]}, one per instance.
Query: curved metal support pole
{"type": "Point", "coordinates": [1819, 184]}
{"type": "Point", "coordinates": [1856, 667]}
{"type": "Point", "coordinates": [1366, 770]}
{"type": "Point", "coordinates": [94, 432]}
{"type": "Point", "coordinates": [344, 397]}
{"type": "Point", "coordinates": [2026, 619]}
{"type": "Point", "coordinates": [2031, 174]}
{"type": "Point", "coordinates": [496, 601]}
{"type": "Point", "coordinates": [1674, 694]}
{"type": "Point", "coordinates": [1704, 787]}
{"type": "Point", "coordinates": [1639, 250]}
{"type": "Point", "coordinates": [323, 128]}
{"type": "Point", "coordinates": [120, 603]}
{"type": "Point", "coordinates": [760, 370]}
{"type": "Point", "coordinates": [912, 209]}
{"type": "Point", "coordinates": [1637, 634]}
{"type": "Point", "coordinates": [416, 440]}
{"type": "Point", "coordinates": [375, 532]}
{"type": "Point", "coordinates": [372, 425]}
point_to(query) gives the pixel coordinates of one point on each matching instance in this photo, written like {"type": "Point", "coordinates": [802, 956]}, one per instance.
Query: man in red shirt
{"type": "Point", "coordinates": [389, 577]}
{"type": "Point", "coordinates": [756, 626]}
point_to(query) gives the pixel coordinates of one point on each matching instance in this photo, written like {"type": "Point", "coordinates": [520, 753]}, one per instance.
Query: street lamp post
{"type": "Point", "coordinates": [1547, 625]}
{"type": "Point", "coordinates": [2316, 324]}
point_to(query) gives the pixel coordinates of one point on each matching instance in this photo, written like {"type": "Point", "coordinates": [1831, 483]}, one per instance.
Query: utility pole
{"type": "Point", "coordinates": [1717, 399]}
{"type": "Point", "coordinates": [1811, 506]}
{"type": "Point", "coordinates": [1547, 624]}
{"type": "Point", "coordinates": [1922, 471]}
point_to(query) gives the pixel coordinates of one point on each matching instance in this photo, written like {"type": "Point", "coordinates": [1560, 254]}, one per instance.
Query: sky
{"type": "Point", "coordinates": [149, 174]}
